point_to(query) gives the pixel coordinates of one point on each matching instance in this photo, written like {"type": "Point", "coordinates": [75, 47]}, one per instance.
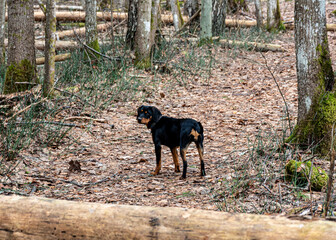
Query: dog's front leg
{"type": "Point", "coordinates": [158, 159]}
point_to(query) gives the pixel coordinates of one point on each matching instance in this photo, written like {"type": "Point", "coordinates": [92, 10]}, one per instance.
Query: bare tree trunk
{"type": "Point", "coordinates": [143, 35]}
{"type": "Point", "coordinates": [219, 8]}
{"type": "Point", "coordinates": [50, 49]}
{"type": "Point", "coordinates": [2, 32]}
{"type": "Point", "coordinates": [190, 8]}
{"type": "Point", "coordinates": [21, 66]}
{"type": "Point", "coordinates": [154, 21]}
{"type": "Point", "coordinates": [273, 15]}
{"type": "Point", "coordinates": [258, 13]}
{"type": "Point", "coordinates": [316, 95]}
{"type": "Point", "coordinates": [132, 23]}
{"type": "Point", "coordinates": [91, 33]}
{"type": "Point", "coordinates": [206, 20]}
{"type": "Point", "coordinates": [177, 17]}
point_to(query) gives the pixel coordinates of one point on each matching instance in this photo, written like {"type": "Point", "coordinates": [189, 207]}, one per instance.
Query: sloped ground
{"type": "Point", "coordinates": [238, 101]}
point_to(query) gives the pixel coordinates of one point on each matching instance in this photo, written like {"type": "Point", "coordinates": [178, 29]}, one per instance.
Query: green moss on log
{"type": "Point", "coordinates": [298, 172]}
{"type": "Point", "coordinates": [94, 45]}
{"type": "Point", "coordinates": [19, 72]}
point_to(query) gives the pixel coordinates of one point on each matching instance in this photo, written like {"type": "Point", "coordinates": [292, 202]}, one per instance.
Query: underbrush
{"type": "Point", "coordinates": [257, 183]}
{"type": "Point", "coordinates": [84, 88]}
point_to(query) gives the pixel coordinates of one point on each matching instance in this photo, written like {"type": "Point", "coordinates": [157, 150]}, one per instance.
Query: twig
{"type": "Point", "coordinates": [268, 68]}
{"type": "Point", "coordinates": [93, 50]}
{"type": "Point", "coordinates": [26, 108]}
{"type": "Point", "coordinates": [70, 93]}
{"type": "Point", "coordinates": [53, 123]}
{"type": "Point", "coordinates": [188, 22]}
{"type": "Point", "coordinates": [86, 118]}
{"type": "Point", "coordinates": [331, 172]}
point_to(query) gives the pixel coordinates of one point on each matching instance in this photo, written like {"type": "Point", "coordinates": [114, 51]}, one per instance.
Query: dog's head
{"type": "Point", "coordinates": [148, 115]}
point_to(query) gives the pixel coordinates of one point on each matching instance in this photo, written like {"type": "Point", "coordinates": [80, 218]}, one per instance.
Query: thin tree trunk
{"type": "Point", "coordinates": [316, 95]}
{"type": "Point", "coordinates": [21, 65]}
{"type": "Point", "coordinates": [219, 14]}
{"type": "Point", "coordinates": [258, 13]}
{"type": "Point", "coordinates": [143, 35]}
{"type": "Point", "coordinates": [50, 49]}
{"type": "Point", "coordinates": [190, 8]}
{"type": "Point", "coordinates": [154, 21]}
{"type": "Point", "coordinates": [2, 32]}
{"type": "Point", "coordinates": [91, 34]}
{"type": "Point", "coordinates": [177, 17]}
{"type": "Point", "coordinates": [273, 15]}
{"type": "Point", "coordinates": [132, 23]}
{"type": "Point", "coordinates": [206, 20]}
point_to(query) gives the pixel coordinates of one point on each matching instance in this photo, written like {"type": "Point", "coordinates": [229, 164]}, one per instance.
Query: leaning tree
{"type": "Point", "coordinates": [315, 76]}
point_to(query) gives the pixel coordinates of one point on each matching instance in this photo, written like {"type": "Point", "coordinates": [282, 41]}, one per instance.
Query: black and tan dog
{"type": "Point", "coordinates": [173, 133]}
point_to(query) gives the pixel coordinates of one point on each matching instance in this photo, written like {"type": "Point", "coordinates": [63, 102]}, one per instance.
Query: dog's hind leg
{"type": "Point", "coordinates": [199, 146]}
{"type": "Point", "coordinates": [158, 159]}
{"type": "Point", "coordinates": [175, 158]}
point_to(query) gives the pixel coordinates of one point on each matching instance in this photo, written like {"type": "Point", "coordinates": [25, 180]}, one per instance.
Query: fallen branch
{"type": "Point", "coordinates": [263, 47]}
{"type": "Point", "coordinates": [58, 58]}
{"type": "Point", "coordinates": [42, 218]}
{"type": "Point", "coordinates": [188, 22]}
{"type": "Point", "coordinates": [86, 119]}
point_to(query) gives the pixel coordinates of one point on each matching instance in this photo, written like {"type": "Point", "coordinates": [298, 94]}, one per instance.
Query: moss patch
{"type": "Point", "coordinates": [94, 45]}
{"type": "Point", "coordinates": [19, 72]}
{"type": "Point", "coordinates": [316, 127]}
{"type": "Point", "coordinates": [298, 172]}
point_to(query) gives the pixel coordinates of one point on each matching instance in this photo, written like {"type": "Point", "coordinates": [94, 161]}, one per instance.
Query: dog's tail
{"type": "Point", "coordinates": [197, 131]}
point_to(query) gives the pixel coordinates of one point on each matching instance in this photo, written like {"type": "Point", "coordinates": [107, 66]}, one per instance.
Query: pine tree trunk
{"type": "Point", "coordinates": [91, 33]}
{"type": "Point", "coordinates": [316, 95]}
{"type": "Point", "coordinates": [273, 15]}
{"type": "Point", "coordinates": [219, 14]}
{"type": "Point", "coordinates": [132, 23]}
{"type": "Point", "coordinates": [177, 17]}
{"type": "Point", "coordinates": [49, 51]}
{"type": "Point", "coordinates": [2, 32]}
{"type": "Point", "coordinates": [21, 65]}
{"type": "Point", "coordinates": [206, 20]}
{"type": "Point", "coordinates": [143, 35]}
{"type": "Point", "coordinates": [258, 13]}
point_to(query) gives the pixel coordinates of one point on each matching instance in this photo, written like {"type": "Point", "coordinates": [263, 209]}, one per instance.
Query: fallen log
{"type": "Point", "coordinates": [58, 58]}
{"type": "Point", "coordinates": [80, 31]}
{"type": "Point", "coordinates": [106, 16]}
{"type": "Point", "coordinates": [262, 47]}
{"type": "Point", "coordinates": [80, 16]}
{"type": "Point", "coordinates": [60, 45]}
{"type": "Point", "coordinates": [42, 218]}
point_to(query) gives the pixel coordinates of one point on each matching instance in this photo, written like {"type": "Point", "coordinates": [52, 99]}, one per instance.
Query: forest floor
{"type": "Point", "coordinates": [238, 101]}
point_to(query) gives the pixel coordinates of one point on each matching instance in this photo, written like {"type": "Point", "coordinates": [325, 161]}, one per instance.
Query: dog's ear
{"type": "Point", "coordinates": [156, 114]}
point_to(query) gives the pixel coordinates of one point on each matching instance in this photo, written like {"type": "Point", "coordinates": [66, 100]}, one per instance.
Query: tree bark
{"type": "Point", "coordinates": [177, 17]}
{"type": "Point", "coordinates": [50, 49]}
{"type": "Point", "coordinates": [143, 42]}
{"type": "Point", "coordinates": [21, 66]}
{"type": "Point", "coordinates": [42, 218]}
{"type": "Point", "coordinates": [190, 8]}
{"type": "Point", "coordinates": [258, 13]}
{"type": "Point", "coordinates": [273, 15]}
{"type": "Point", "coordinates": [2, 32]}
{"type": "Point", "coordinates": [206, 20]}
{"type": "Point", "coordinates": [132, 23]}
{"type": "Point", "coordinates": [316, 95]}
{"type": "Point", "coordinates": [91, 33]}
{"type": "Point", "coordinates": [219, 8]}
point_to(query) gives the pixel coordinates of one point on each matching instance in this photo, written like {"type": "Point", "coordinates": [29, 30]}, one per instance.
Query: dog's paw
{"type": "Point", "coordinates": [182, 178]}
